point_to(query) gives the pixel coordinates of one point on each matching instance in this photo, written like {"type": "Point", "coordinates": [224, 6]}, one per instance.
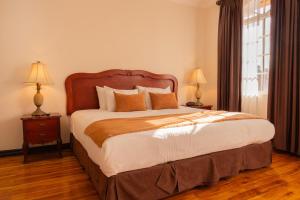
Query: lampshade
{"type": "Point", "coordinates": [198, 76]}
{"type": "Point", "coordinates": [39, 74]}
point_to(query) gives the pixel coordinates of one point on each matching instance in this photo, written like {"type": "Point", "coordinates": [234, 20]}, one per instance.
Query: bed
{"type": "Point", "coordinates": [161, 163]}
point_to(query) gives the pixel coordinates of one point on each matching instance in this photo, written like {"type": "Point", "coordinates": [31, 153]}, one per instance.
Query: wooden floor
{"type": "Point", "coordinates": [61, 179]}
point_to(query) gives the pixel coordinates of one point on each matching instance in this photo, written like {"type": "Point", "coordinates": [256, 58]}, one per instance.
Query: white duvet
{"type": "Point", "coordinates": [148, 148]}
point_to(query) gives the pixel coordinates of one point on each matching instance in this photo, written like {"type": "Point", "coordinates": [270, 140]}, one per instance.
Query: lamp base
{"type": "Point", "coordinates": [38, 102]}
{"type": "Point", "coordinates": [198, 102]}
{"type": "Point", "coordinates": [198, 95]}
{"type": "Point", "coordinates": [39, 112]}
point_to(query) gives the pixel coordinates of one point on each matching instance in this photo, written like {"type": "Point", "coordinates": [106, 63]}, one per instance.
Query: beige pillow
{"type": "Point", "coordinates": [101, 97]}
{"type": "Point", "coordinates": [163, 101]}
{"type": "Point", "coordinates": [147, 90]}
{"type": "Point", "coordinates": [128, 103]}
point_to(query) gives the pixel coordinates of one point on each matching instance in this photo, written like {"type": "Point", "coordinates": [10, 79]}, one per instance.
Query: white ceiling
{"type": "Point", "coordinates": [200, 3]}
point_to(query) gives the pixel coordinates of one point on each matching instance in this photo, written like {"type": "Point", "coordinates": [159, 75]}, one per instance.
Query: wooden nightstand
{"type": "Point", "coordinates": [206, 107]}
{"type": "Point", "coordinates": [41, 130]}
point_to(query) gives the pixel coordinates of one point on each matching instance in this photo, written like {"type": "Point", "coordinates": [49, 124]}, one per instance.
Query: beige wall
{"type": "Point", "coordinates": [207, 49]}
{"type": "Point", "coordinates": [88, 36]}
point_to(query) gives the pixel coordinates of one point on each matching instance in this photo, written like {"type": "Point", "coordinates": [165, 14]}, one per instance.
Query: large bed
{"type": "Point", "coordinates": [156, 164]}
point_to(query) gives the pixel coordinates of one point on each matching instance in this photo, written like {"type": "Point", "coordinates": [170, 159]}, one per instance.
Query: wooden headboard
{"type": "Point", "coordinates": [81, 87]}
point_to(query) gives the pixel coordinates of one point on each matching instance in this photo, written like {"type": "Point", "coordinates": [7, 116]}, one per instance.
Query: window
{"type": "Point", "coordinates": [256, 56]}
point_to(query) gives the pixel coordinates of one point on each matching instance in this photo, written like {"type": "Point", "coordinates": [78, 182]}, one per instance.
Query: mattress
{"type": "Point", "coordinates": [149, 148]}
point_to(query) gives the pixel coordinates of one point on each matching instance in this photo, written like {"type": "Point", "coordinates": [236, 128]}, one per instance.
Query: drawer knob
{"type": "Point", "coordinates": [42, 124]}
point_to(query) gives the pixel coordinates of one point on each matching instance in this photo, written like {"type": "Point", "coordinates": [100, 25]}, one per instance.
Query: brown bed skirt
{"type": "Point", "coordinates": [168, 179]}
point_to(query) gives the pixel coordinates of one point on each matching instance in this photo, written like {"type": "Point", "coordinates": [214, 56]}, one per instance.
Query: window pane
{"type": "Point", "coordinates": [267, 62]}
{"type": "Point", "coordinates": [267, 45]}
{"type": "Point", "coordinates": [268, 26]}
{"type": "Point", "coordinates": [268, 8]}
{"type": "Point", "coordinates": [259, 49]}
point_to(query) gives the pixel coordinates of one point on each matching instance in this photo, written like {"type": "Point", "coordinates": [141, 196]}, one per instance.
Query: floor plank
{"type": "Point", "coordinates": [64, 179]}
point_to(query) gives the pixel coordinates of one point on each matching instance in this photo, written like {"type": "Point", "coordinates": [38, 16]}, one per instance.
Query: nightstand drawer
{"type": "Point", "coordinates": [41, 125]}
{"type": "Point", "coordinates": [41, 137]}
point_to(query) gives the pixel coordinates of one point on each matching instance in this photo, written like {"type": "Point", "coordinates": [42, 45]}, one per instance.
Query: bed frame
{"type": "Point", "coordinates": [166, 179]}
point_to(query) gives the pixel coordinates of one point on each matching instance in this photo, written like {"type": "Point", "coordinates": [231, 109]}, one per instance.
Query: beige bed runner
{"type": "Point", "coordinates": [101, 130]}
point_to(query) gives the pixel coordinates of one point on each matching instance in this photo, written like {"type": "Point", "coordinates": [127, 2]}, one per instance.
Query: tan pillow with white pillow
{"type": "Point", "coordinates": [129, 103]}
{"type": "Point", "coordinates": [147, 90]}
{"type": "Point", "coordinates": [163, 101]}
{"type": "Point", "coordinates": [110, 96]}
{"type": "Point", "coordinates": [101, 97]}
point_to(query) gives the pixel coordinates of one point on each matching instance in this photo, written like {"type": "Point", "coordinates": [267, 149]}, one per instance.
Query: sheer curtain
{"type": "Point", "coordinates": [256, 56]}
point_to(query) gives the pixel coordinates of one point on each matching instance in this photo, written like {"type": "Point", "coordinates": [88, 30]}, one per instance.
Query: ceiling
{"type": "Point", "coordinates": [200, 3]}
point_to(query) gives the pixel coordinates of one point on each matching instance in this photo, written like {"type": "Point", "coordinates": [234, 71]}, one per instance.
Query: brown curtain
{"type": "Point", "coordinates": [230, 55]}
{"type": "Point", "coordinates": [284, 86]}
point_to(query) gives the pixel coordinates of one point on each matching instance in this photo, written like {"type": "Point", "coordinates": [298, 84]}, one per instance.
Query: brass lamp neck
{"type": "Point", "coordinates": [198, 95]}
{"type": "Point", "coordinates": [38, 87]}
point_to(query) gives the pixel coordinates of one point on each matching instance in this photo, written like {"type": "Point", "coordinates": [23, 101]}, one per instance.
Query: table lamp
{"type": "Point", "coordinates": [198, 78]}
{"type": "Point", "coordinates": [38, 76]}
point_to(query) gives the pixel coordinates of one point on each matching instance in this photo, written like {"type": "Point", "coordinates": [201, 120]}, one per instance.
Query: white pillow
{"type": "Point", "coordinates": [110, 97]}
{"type": "Point", "coordinates": [101, 97]}
{"type": "Point", "coordinates": [146, 91]}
